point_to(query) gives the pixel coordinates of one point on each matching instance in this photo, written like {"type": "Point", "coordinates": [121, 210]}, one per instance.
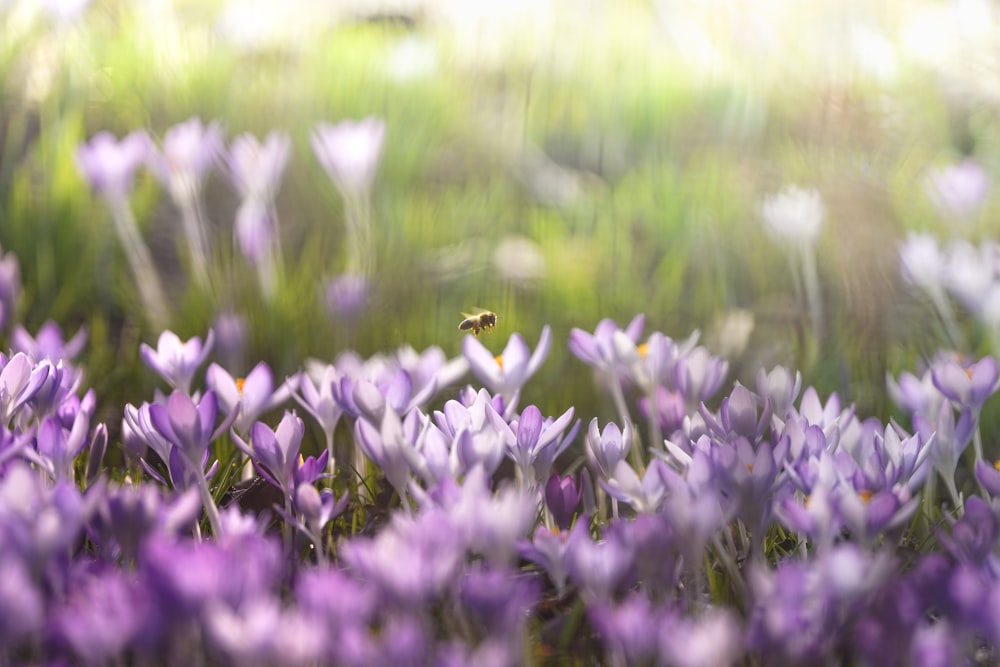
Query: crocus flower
{"type": "Point", "coordinates": [967, 386]}
{"type": "Point", "coordinates": [606, 448]}
{"type": "Point", "coordinates": [176, 361]}
{"type": "Point", "coordinates": [275, 453]}
{"type": "Point", "coordinates": [349, 152]}
{"type": "Point", "coordinates": [49, 343]}
{"type": "Point", "coordinates": [20, 380]}
{"type": "Point", "coordinates": [598, 349]}
{"type": "Point", "coordinates": [794, 216]}
{"type": "Point", "coordinates": [562, 496]}
{"type": "Point", "coordinates": [922, 262]}
{"type": "Point", "coordinates": [10, 289]}
{"type": "Point", "coordinates": [109, 164]}
{"type": "Point", "coordinates": [189, 151]}
{"type": "Point", "coordinates": [698, 375]}
{"type": "Point", "coordinates": [250, 396]}
{"type": "Point", "coordinates": [534, 442]}
{"type": "Point", "coordinates": [600, 568]}
{"type": "Point", "coordinates": [780, 387]}
{"type": "Point", "coordinates": [346, 296]}
{"type": "Point", "coordinates": [256, 170]}
{"type": "Point", "coordinates": [507, 373]}
{"type": "Point", "coordinates": [958, 190]}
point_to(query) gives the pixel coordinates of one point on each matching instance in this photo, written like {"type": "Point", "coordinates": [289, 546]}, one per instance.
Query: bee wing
{"type": "Point", "coordinates": [469, 316]}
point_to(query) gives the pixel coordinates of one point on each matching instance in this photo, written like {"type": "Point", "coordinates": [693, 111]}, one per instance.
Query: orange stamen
{"type": "Point", "coordinates": [996, 464]}
{"type": "Point", "coordinates": [239, 385]}
{"type": "Point", "coordinates": [499, 360]}
{"type": "Point", "coordinates": [865, 495]}
{"type": "Point", "coordinates": [643, 350]}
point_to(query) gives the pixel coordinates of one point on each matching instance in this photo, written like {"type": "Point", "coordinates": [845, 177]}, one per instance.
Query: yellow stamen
{"type": "Point", "coordinates": [865, 495]}
{"type": "Point", "coordinates": [996, 464]}
{"type": "Point", "coordinates": [239, 385]}
{"type": "Point", "coordinates": [643, 350]}
{"type": "Point", "coordinates": [750, 467]}
{"type": "Point", "coordinates": [499, 360]}
{"type": "Point", "coordinates": [968, 371]}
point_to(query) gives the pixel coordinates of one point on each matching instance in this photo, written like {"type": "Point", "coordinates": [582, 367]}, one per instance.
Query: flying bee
{"type": "Point", "coordinates": [484, 321]}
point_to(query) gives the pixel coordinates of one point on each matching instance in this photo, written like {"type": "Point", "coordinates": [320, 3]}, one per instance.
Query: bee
{"type": "Point", "coordinates": [484, 321]}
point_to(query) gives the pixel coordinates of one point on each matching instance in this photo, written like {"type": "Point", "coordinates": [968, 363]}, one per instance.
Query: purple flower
{"type": "Point", "coordinates": [644, 495]}
{"type": "Point", "coordinates": [600, 568]}
{"type": "Point", "coordinates": [126, 516]}
{"type": "Point", "coordinates": [251, 396]}
{"type": "Point", "coordinates": [318, 400]}
{"type": "Point", "coordinates": [989, 476]}
{"type": "Point", "coordinates": [49, 343]}
{"type": "Point", "coordinates": [433, 559]}
{"type": "Point", "coordinates": [256, 168]}
{"type": "Point", "coordinates": [562, 496]}
{"type": "Point", "coordinates": [598, 349]}
{"type": "Point", "coordinates": [384, 446]}
{"type": "Point", "coordinates": [346, 296]}
{"type": "Point", "coordinates": [698, 375]}
{"type": "Point", "coordinates": [916, 394]}
{"type": "Point", "coordinates": [667, 408]}
{"type": "Point", "coordinates": [490, 524]}
{"type": "Point", "coordinates": [318, 508]}
{"type": "Point", "coordinates": [20, 381]}
{"type": "Point", "coordinates": [534, 443]}
{"type": "Point", "coordinates": [276, 453]}
{"type": "Point", "coordinates": [21, 603]}
{"type": "Point", "coordinates": [10, 288]}
{"type": "Point", "coordinates": [923, 263]}
{"type": "Point", "coordinates": [498, 600]}
{"type": "Point", "coordinates": [547, 549]}
{"type": "Point", "coordinates": [967, 386]}
{"type": "Point", "coordinates": [349, 152]}
{"type": "Point", "coordinates": [189, 150]}
{"type": "Point", "coordinates": [186, 425]}
{"type": "Point", "coordinates": [714, 638]}
{"type": "Point", "coordinates": [606, 448]}
{"type": "Point", "coordinates": [231, 334]}
{"type": "Point", "coordinates": [109, 164]}
{"type": "Point", "coordinates": [779, 387]}
{"type": "Point", "coordinates": [507, 373]}
{"type": "Point", "coordinates": [958, 190]}
{"type": "Point", "coordinates": [177, 361]}
{"type": "Point", "coordinates": [106, 616]}
{"type": "Point", "coordinates": [628, 629]}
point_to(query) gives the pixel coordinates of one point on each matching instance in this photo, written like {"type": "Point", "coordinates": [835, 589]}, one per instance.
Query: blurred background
{"type": "Point", "coordinates": [556, 162]}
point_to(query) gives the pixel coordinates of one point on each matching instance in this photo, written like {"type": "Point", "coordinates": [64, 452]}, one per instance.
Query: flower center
{"type": "Point", "coordinates": [239, 385]}
{"type": "Point", "coordinates": [643, 350]}
{"type": "Point", "coordinates": [996, 464]}
{"type": "Point", "coordinates": [865, 495]}
{"type": "Point", "coordinates": [499, 360]}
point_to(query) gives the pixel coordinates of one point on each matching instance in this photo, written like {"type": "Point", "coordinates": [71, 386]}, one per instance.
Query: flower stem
{"type": "Point", "coordinates": [140, 262]}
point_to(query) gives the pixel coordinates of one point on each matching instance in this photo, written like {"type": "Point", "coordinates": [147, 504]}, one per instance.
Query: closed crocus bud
{"type": "Point", "coordinates": [562, 496]}
{"type": "Point", "coordinates": [308, 502]}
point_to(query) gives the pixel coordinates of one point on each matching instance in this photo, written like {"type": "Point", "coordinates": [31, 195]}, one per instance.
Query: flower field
{"type": "Point", "coordinates": [418, 333]}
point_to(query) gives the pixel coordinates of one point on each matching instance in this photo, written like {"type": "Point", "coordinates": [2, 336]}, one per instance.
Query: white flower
{"type": "Point", "coordinates": [922, 261]}
{"type": "Point", "coordinates": [794, 216]}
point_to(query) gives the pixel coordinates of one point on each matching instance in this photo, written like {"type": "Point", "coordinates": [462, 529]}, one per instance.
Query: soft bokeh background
{"type": "Point", "coordinates": [556, 162]}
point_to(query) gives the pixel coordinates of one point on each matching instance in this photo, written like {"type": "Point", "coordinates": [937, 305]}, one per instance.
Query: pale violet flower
{"type": "Point", "coordinates": [506, 373]}
{"type": "Point", "coordinates": [350, 151]}
{"type": "Point", "coordinates": [176, 361]}
{"type": "Point", "coordinates": [922, 261]}
{"type": "Point", "coordinates": [794, 216]}
{"type": "Point", "coordinates": [958, 190]}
